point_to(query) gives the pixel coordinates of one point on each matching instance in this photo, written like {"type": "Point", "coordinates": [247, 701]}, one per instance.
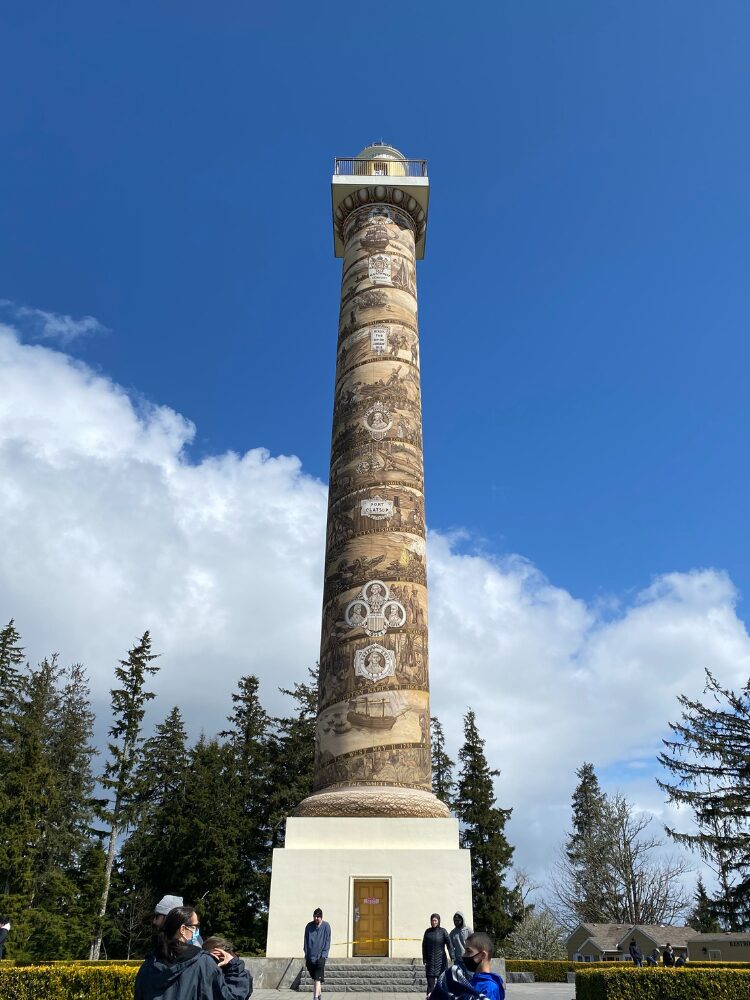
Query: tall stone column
{"type": "Point", "coordinates": [372, 748]}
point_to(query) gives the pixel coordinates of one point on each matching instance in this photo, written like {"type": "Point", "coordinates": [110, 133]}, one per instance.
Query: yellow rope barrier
{"type": "Point", "coordinates": [372, 941]}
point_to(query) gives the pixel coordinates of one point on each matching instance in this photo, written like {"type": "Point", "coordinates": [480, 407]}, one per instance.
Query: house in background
{"type": "Point", "coordinates": [610, 942]}
{"type": "Point", "coordinates": [729, 947]}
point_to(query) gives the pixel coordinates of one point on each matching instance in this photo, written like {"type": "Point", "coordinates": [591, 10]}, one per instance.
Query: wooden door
{"type": "Point", "coordinates": [370, 917]}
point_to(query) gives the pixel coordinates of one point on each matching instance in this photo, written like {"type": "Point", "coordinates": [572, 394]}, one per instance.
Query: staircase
{"type": "Point", "coordinates": [368, 977]}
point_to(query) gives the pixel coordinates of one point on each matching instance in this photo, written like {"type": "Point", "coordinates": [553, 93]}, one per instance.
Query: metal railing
{"type": "Point", "coordinates": [353, 167]}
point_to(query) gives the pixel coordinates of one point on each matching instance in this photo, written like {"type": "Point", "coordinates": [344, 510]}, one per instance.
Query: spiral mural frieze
{"type": "Point", "coordinates": [373, 727]}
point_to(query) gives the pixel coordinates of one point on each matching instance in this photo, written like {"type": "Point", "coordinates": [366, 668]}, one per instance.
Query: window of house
{"type": "Point", "coordinates": [714, 955]}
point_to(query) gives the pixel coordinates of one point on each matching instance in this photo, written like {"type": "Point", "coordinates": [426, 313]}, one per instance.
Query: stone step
{"type": "Point", "coordinates": [354, 977]}
{"type": "Point", "coordinates": [382, 977]}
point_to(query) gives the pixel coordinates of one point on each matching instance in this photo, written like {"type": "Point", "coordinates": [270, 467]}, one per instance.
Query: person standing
{"type": "Point", "coordinates": [178, 969]}
{"type": "Point", "coordinates": [477, 959]}
{"type": "Point", "coordinates": [436, 951]}
{"type": "Point", "coordinates": [4, 932]}
{"type": "Point", "coordinates": [472, 978]}
{"type": "Point", "coordinates": [668, 957]}
{"type": "Point", "coordinates": [635, 953]}
{"type": "Point", "coordinates": [317, 945]}
{"type": "Point", "coordinates": [163, 907]}
{"type": "Point", "coordinates": [459, 936]}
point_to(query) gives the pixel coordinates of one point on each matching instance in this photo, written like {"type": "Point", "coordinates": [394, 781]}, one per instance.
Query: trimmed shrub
{"type": "Point", "coordinates": [607, 983]}
{"type": "Point", "coordinates": [553, 971]}
{"type": "Point", "coordinates": [101, 963]}
{"type": "Point", "coordinates": [705, 964]}
{"type": "Point", "coordinates": [65, 980]}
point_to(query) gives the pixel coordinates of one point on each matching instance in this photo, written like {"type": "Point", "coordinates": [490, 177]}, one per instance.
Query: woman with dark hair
{"type": "Point", "coordinates": [179, 969]}
{"type": "Point", "coordinates": [4, 932]}
{"type": "Point", "coordinates": [436, 951]}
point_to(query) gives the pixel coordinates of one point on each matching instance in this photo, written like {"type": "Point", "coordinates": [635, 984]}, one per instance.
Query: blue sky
{"type": "Point", "coordinates": [583, 302]}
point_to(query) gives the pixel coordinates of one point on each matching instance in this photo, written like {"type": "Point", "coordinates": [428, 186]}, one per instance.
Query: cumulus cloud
{"type": "Point", "coordinates": [107, 528]}
{"type": "Point", "coordinates": [42, 325]}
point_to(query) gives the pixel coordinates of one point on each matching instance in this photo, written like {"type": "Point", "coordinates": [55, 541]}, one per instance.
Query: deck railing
{"type": "Point", "coordinates": [353, 167]}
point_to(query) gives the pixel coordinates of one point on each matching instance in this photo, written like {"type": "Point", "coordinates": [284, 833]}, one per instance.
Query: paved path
{"type": "Point", "coordinates": [515, 991]}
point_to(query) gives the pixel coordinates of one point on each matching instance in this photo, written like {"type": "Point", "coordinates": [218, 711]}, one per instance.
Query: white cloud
{"type": "Point", "coordinates": [43, 325]}
{"type": "Point", "coordinates": [107, 528]}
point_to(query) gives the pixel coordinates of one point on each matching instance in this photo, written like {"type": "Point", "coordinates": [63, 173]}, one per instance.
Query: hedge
{"type": "Point", "coordinates": [64, 981]}
{"type": "Point", "coordinates": [662, 984]}
{"type": "Point", "coordinates": [99, 963]}
{"type": "Point", "coordinates": [544, 971]}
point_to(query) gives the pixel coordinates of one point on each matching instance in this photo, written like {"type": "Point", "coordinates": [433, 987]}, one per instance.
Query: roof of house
{"type": "Point", "coordinates": [607, 937]}
{"type": "Point", "coordinates": [662, 934]}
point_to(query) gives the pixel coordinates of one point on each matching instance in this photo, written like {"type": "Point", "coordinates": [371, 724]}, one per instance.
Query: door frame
{"type": "Point", "coordinates": [352, 898]}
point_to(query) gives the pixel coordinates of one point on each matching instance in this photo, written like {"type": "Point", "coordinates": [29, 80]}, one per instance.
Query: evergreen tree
{"type": "Point", "coordinates": [11, 655]}
{"type": "Point", "coordinates": [587, 848]}
{"type": "Point", "coordinates": [443, 782]}
{"type": "Point", "coordinates": [702, 917]}
{"type": "Point", "coordinates": [248, 743]}
{"type": "Point", "coordinates": [614, 872]}
{"type": "Point", "coordinates": [205, 847]}
{"type": "Point", "coordinates": [11, 686]}
{"type": "Point", "coordinates": [146, 869]}
{"type": "Point", "coordinates": [128, 707]}
{"type": "Point", "coordinates": [708, 765]}
{"type": "Point", "coordinates": [291, 756]}
{"type": "Point", "coordinates": [496, 908]}
{"type": "Point", "coordinates": [46, 837]}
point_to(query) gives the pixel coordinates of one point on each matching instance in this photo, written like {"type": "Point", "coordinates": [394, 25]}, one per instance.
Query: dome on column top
{"type": "Point", "coordinates": [382, 160]}
{"type": "Point", "coordinates": [380, 151]}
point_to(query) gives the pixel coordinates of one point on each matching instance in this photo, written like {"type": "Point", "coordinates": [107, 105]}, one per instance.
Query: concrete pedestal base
{"type": "Point", "coordinates": [426, 870]}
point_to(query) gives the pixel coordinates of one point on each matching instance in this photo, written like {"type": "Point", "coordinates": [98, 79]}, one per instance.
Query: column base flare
{"type": "Point", "coordinates": [377, 801]}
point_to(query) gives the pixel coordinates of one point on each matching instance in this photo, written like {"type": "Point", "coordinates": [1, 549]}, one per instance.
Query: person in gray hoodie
{"type": "Point", "coordinates": [316, 945]}
{"type": "Point", "coordinates": [179, 969]}
{"type": "Point", "coordinates": [459, 935]}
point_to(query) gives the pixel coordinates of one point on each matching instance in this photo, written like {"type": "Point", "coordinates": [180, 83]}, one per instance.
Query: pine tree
{"type": "Point", "coordinates": [496, 908]}
{"type": "Point", "coordinates": [611, 870]}
{"type": "Point", "coordinates": [708, 764]}
{"type": "Point", "coordinates": [291, 756]}
{"type": "Point", "coordinates": [587, 847]}
{"type": "Point", "coordinates": [11, 655]}
{"type": "Point", "coordinates": [248, 743]}
{"type": "Point", "coordinates": [146, 868]}
{"type": "Point", "coordinates": [11, 686]}
{"type": "Point", "coordinates": [208, 841]}
{"type": "Point", "coordinates": [702, 917]}
{"type": "Point", "coordinates": [128, 707]}
{"type": "Point", "coordinates": [443, 782]}
{"type": "Point", "coordinates": [47, 835]}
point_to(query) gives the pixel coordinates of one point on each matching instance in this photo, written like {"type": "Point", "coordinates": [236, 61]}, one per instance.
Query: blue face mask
{"type": "Point", "coordinates": [196, 938]}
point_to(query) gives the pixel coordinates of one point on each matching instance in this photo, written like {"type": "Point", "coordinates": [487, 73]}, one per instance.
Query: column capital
{"type": "Point", "coordinates": [408, 194]}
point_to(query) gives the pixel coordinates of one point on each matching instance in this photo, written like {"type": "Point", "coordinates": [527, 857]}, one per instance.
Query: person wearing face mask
{"type": "Point", "coordinates": [436, 951]}
{"type": "Point", "coordinates": [477, 959]}
{"type": "Point", "coordinates": [459, 936]}
{"type": "Point", "coordinates": [472, 978]}
{"type": "Point", "coordinates": [178, 969]}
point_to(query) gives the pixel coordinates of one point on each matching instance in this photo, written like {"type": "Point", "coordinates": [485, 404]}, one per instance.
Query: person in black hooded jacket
{"type": "Point", "coordinates": [436, 951]}
{"type": "Point", "coordinates": [179, 969]}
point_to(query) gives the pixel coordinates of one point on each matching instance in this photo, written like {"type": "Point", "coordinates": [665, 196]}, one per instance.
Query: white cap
{"type": "Point", "coordinates": [167, 903]}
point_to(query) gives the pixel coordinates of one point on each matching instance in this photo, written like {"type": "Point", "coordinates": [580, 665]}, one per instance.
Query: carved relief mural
{"type": "Point", "coordinates": [373, 722]}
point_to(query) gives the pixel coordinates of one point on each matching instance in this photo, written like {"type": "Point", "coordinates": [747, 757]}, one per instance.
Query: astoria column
{"type": "Point", "coordinates": [372, 746]}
